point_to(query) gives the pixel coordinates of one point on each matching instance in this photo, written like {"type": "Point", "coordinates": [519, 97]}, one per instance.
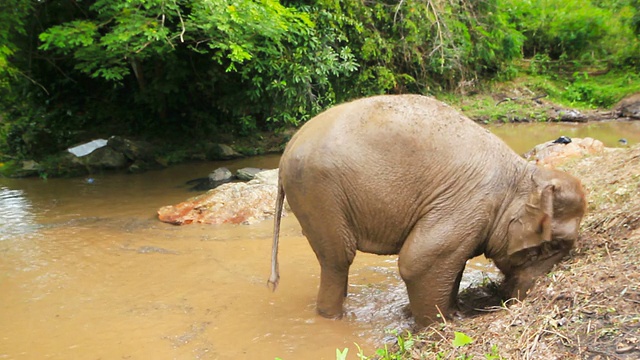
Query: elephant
{"type": "Point", "coordinates": [409, 175]}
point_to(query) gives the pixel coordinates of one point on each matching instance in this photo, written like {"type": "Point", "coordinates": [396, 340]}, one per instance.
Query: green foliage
{"type": "Point", "coordinates": [410, 345]}
{"type": "Point", "coordinates": [600, 91]}
{"type": "Point", "coordinates": [579, 31]}
{"type": "Point", "coordinates": [179, 71]}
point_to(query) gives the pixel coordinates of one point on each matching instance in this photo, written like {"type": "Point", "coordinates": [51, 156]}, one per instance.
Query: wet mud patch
{"type": "Point", "coordinates": [378, 297]}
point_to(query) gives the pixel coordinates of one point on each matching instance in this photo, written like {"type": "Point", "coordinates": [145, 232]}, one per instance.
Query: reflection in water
{"type": "Point", "coordinates": [16, 217]}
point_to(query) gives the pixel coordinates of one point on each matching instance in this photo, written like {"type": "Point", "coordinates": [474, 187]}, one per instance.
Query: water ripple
{"type": "Point", "coordinates": [16, 215]}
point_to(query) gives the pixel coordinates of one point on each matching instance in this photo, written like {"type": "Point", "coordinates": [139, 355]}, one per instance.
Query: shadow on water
{"type": "Point", "coordinates": [87, 271]}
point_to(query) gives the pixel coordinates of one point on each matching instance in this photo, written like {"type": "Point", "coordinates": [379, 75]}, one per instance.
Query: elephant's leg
{"type": "Point", "coordinates": [453, 299]}
{"type": "Point", "coordinates": [332, 291]}
{"type": "Point", "coordinates": [431, 262]}
{"type": "Point", "coordinates": [335, 250]}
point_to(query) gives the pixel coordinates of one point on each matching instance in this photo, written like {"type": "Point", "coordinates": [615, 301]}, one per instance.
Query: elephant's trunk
{"type": "Point", "coordinates": [275, 272]}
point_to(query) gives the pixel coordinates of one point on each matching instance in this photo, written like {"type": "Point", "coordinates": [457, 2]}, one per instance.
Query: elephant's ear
{"type": "Point", "coordinates": [532, 227]}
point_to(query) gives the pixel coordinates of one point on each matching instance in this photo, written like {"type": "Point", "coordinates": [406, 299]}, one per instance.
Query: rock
{"type": "Point", "coordinates": [31, 165]}
{"type": "Point", "coordinates": [216, 178]}
{"type": "Point", "coordinates": [140, 153]}
{"type": "Point", "coordinates": [268, 177]}
{"type": "Point", "coordinates": [222, 152]}
{"type": "Point", "coordinates": [221, 175]}
{"type": "Point", "coordinates": [232, 203]}
{"type": "Point", "coordinates": [105, 158]}
{"type": "Point", "coordinates": [29, 168]}
{"type": "Point", "coordinates": [552, 154]}
{"type": "Point", "coordinates": [68, 165]}
{"type": "Point", "coordinates": [571, 116]}
{"type": "Point", "coordinates": [248, 173]}
{"type": "Point", "coordinates": [133, 150]}
{"type": "Point", "coordinates": [629, 106]}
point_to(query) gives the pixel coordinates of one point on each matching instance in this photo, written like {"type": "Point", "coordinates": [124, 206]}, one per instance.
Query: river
{"type": "Point", "coordinates": [88, 272]}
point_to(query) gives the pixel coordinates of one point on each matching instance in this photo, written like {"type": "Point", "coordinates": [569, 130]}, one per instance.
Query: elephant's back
{"type": "Point", "coordinates": [395, 126]}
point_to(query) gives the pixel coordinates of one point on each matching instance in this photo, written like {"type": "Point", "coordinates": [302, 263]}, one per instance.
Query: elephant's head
{"type": "Point", "coordinates": [541, 231]}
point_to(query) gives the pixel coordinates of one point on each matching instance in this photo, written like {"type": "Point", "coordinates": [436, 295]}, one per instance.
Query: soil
{"type": "Point", "coordinates": [588, 307]}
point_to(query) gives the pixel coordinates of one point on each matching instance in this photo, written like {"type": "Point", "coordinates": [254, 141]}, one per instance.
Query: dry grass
{"type": "Point", "coordinates": [589, 306]}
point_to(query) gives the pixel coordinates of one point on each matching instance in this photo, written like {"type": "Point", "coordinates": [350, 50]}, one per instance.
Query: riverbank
{"type": "Point", "coordinates": [588, 307]}
{"type": "Point", "coordinates": [522, 100]}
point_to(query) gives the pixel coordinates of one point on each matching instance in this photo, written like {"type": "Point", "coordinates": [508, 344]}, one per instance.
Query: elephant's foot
{"type": "Point", "coordinates": [329, 315]}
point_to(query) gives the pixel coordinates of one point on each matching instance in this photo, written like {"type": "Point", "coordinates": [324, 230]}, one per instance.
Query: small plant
{"type": "Point", "coordinates": [342, 355]}
{"type": "Point", "coordinates": [461, 339]}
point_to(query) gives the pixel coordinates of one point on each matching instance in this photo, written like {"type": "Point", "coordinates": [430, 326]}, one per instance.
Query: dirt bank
{"type": "Point", "coordinates": [588, 307]}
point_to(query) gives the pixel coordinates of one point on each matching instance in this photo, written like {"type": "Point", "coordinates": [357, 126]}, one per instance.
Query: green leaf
{"type": "Point", "coordinates": [461, 339]}
{"type": "Point", "coordinates": [341, 355]}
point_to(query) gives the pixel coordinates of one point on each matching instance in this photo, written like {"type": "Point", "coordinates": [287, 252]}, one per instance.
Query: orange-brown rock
{"type": "Point", "coordinates": [232, 203]}
{"type": "Point", "coordinates": [552, 154]}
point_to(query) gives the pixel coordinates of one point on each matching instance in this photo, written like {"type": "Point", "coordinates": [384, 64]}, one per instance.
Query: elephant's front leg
{"type": "Point", "coordinates": [431, 263]}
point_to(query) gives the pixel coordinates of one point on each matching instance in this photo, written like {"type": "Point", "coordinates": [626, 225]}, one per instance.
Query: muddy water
{"type": "Point", "coordinates": [523, 137]}
{"type": "Point", "coordinates": [87, 272]}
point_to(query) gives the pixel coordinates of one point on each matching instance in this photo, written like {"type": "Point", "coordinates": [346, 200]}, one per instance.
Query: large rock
{"type": "Point", "coordinates": [133, 150]}
{"type": "Point", "coordinates": [630, 106]}
{"type": "Point", "coordinates": [140, 154]}
{"type": "Point", "coordinates": [232, 203]}
{"type": "Point", "coordinates": [571, 115]}
{"type": "Point", "coordinates": [105, 158]}
{"type": "Point", "coordinates": [553, 153]}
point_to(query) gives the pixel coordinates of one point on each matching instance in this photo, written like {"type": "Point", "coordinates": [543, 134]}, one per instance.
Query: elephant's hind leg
{"type": "Point", "coordinates": [329, 241]}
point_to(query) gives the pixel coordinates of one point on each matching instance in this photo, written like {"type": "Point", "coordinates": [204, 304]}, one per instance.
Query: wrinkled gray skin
{"type": "Point", "coordinates": [409, 175]}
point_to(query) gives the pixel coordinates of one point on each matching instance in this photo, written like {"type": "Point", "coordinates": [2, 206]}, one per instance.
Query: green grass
{"type": "Point", "coordinates": [512, 101]}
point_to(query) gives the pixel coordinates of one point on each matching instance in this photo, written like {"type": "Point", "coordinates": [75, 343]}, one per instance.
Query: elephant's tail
{"type": "Point", "coordinates": [275, 272]}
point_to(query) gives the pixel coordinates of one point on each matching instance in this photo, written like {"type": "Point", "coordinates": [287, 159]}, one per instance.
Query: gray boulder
{"type": "Point", "coordinates": [630, 106]}
{"type": "Point", "coordinates": [105, 158]}
{"type": "Point", "coordinates": [216, 178]}
{"type": "Point", "coordinates": [133, 150]}
{"type": "Point", "coordinates": [248, 173]}
{"type": "Point", "coordinates": [221, 175]}
{"type": "Point", "coordinates": [571, 116]}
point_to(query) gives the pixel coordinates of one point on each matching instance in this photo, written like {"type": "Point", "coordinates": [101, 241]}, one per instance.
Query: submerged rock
{"type": "Point", "coordinates": [247, 173]}
{"type": "Point", "coordinates": [231, 203]}
{"type": "Point", "coordinates": [216, 178]}
{"type": "Point", "coordinates": [553, 153]}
